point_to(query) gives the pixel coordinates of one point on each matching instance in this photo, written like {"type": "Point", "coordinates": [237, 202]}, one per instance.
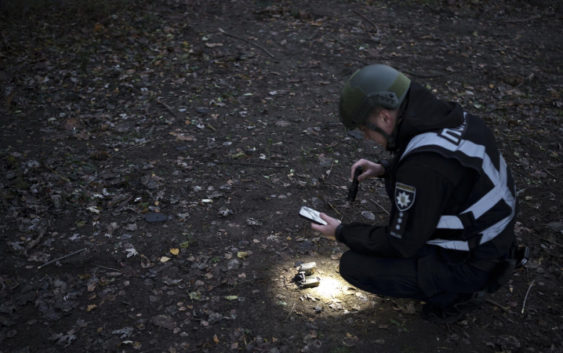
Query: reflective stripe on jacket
{"type": "Point", "coordinates": [473, 145]}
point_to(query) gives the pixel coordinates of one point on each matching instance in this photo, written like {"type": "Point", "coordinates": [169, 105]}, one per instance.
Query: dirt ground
{"type": "Point", "coordinates": [154, 155]}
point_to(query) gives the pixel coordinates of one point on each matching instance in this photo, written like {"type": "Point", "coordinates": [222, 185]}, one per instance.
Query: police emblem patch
{"type": "Point", "coordinates": [404, 196]}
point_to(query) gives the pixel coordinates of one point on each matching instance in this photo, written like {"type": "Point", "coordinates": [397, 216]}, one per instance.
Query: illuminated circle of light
{"type": "Point", "coordinates": [334, 295]}
{"type": "Point", "coordinates": [330, 287]}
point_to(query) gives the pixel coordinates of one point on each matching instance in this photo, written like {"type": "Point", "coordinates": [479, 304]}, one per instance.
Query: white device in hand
{"type": "Point", "coordinates": [312, 215]}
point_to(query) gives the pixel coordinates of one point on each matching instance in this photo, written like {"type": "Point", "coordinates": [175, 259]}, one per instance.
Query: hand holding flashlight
{"type": "Point", "coordinates": [353, 189]}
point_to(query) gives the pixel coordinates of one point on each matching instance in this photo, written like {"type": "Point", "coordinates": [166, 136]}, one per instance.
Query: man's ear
{"type": "Point", "coordinates": [387, 118]}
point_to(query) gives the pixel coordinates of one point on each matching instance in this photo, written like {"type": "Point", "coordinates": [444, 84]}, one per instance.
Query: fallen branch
{"type": "Point", "coordinates": [168, 108]}
{"type": "Point", "coordinates": [291, 311]}
{"type": "Point", "coordinates": [526, 297]}
{"type": "Point", "coordinates": [256, 165]}
{"type": "Point", "coordinates": [63, 178]}
{"type": "Point", "coordinates": [109, 268]}
{"type": "Point", "coordinates": [367, 20]}
{"type": "Point", "coordinates": [504, 308]}
{"type": "Point", "coordinates": [523, 20]}
{"type": "Point", "coordinates": [434, 74]}
{"type": "Point", "coordinates": [334, 209]}
{"type": "Point", "coordinates": [61, 258]}
{"type": "Point", "coordinates": [247, 41]}
{"type": "Point", "coordinates": [378, 205]}
{"type": "Point", "coordinates": [550, 174]}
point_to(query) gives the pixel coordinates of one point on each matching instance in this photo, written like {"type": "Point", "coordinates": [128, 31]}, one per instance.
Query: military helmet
{"type": "Point", "coordinates": [372, 86]}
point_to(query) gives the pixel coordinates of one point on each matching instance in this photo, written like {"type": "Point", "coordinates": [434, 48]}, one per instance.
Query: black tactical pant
{"type": "Point", "coordinates": [427, 277]}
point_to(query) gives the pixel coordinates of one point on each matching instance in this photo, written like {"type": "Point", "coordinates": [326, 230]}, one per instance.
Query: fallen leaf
{"type": "Point", "coordinates": [194, 295]}
{"type": "Point", "coordinates": [62, 339]}
{"type": "Point", "coordinates": [93, 209]}
{"type": "Point", "coordinates": [242, 254]}
{"type": "Point", "coordinates": [165, 321]}
{"type": "Point", "coordinates": [131, 252]}
{"type": "Point", "coordinates": [238, 155]}
{"type": "Point", "coordinates": [175, 251]}
{"type": "Point", "coordinates": [71, 124]}
{"type": "Point", "coordinates": [91, 307]}
{"type": "Point", "coordinates": [92, 283]}
{"type": "Point", "coordinates": [164, 259]}
{"type": "Point", "coordinates": [98, 27]}
{"type": "Point", "coordinates": [145, 262]}
{"type": "Point", "coordinates": [180, 136]}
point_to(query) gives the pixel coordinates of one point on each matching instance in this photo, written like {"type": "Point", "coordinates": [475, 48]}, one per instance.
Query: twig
{"type": "Point", "coordinates": [490, 301]}
{"type": "Point", "coordinates": [128, 148]}
{"type": "Point", "coordinates": [256, 165]}
{"type": "Point", "coordinates": [109, 268]}
{"type": "Point", "coordinates": [334, 208]}
{"type": "Point", "coordinates": [247, 41]}
{"type": "Point", "coordinates": [367, 20]}
{"type": "Point", "coordinates": [315, 33]}
{"type": "Point", "coordinates": [550, 173]}
{"type": "Point", "coordinates": [430, 75]}
{"type": "Point", "coordinates": [168, 108]}
{"type": "Point", "coordinates": [291, 311]}
{"type": "Point", "coordinates": [65, 179]}
{"type": "Point", "coordinates": [378, 205]}
{"type": "Point", "coordinates": [520, 20]}
{"type": "Point", "coordinates": [526, 297]}
{"type": "Point", "coordinates": [61, 258]}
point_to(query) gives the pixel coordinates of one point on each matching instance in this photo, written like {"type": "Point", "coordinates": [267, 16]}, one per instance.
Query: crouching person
{"type": "Point", "coordinates": [450, 231]}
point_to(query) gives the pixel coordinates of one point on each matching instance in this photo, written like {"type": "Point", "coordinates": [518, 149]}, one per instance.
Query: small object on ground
{"type": "Point", "coordinates": [61, 258]}
{"type": "Point", "coordinates": [310, 282]}
{"type": "Point", "coordinates": [304, 278]}
{"type": "Point", "coordinates": [522, 255]}
{"type": "Point", "coordinates": [308, 268]}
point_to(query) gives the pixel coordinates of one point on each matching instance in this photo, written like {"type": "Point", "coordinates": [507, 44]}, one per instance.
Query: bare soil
{"type": "Point", "coordinates": [154, 156]}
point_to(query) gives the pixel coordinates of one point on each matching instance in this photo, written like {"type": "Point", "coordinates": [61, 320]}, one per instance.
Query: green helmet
{"type": "Point", "coordinates": [368, 88]}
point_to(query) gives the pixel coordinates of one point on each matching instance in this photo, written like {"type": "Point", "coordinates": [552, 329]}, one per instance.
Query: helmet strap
{"type": "Point", "coordinates": [390, 138]}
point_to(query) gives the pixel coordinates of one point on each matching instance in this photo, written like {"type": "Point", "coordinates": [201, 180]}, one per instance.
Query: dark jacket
{"type": "Point", "coordinates": [423, 187]}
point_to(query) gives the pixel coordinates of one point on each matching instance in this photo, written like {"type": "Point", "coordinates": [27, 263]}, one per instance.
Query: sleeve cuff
{"type": "Point", "coordinates": [386, 165]}
{"type": "Point", "coordinates": [338, 232]}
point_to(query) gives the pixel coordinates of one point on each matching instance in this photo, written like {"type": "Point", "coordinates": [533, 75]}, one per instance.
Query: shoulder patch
{"type": "Point", "coordinates": [404, 196]}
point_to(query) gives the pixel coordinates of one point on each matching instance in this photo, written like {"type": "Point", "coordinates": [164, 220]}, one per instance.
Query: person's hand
{"type": "Point", "coordinates": [370, 169]}
{"type": "Point", "coordinates": [329, 229]}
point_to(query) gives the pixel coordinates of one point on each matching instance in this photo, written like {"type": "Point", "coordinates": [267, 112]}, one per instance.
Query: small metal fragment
{"type": "Point", "coordinates": [310, 282]}
{"type": "Point", "coordinates": [308, 268]}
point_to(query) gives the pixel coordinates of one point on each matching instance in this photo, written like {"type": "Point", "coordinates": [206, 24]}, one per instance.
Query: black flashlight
{"type": "Point", "coordinates": [353, 189]}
